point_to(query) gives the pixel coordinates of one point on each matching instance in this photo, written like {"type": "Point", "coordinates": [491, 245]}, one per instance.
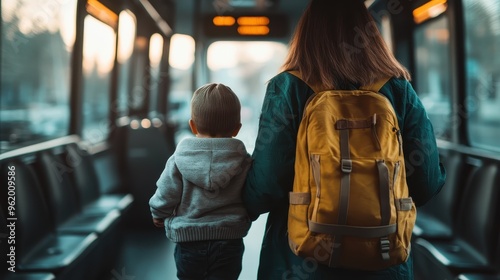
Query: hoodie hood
{"type": "Point", "coordinates": [210, 163]}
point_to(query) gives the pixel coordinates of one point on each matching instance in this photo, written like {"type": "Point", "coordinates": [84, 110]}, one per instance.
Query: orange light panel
{"type": "Point", "coordinates": [253, 21]}
{"type": "Point", "coordinates": [253, 30]}
{"type": "Point", "coordinates": [429, 10]}
{"type": "Point", "coordinates": [224, 21]}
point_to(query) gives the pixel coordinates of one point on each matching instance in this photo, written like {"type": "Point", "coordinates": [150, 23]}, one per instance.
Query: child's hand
{"type": "Point", "coordinates": [158, 222]}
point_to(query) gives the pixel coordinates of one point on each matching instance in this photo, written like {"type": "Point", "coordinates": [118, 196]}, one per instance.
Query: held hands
{"type": "Point", "coordinates": [158, 222]}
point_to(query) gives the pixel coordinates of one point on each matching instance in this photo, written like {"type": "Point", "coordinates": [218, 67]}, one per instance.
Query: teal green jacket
{"type": "Point", "coordinates": [270, 178]}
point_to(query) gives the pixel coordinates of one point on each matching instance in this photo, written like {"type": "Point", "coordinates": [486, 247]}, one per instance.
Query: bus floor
{"type": "Point", "coordinates": [149, 255]}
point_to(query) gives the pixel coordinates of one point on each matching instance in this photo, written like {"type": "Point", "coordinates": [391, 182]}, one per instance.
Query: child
{"type": "Point", "coordinates": [198, 199]}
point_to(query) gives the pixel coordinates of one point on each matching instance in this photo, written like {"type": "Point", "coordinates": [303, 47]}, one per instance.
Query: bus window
{"type": "Point", "coordinates": [181, 60]}
{"type": "Point", "coordinates": [99, 42]}
{"type": "Point", "coordinates": [433, 73]}
{"type": "Point", "coordinates": [386, 31]}
{"type": "Point", "coordinates": [482, 38]}
{"type": "Point", "coordinates": [246, 67]}
{"type": "Point", "coordinates": [37, 43]}
{"type": "Point", "coordinates": [154, 77]}
{"type": "Point", "coordinates": [126, 36]}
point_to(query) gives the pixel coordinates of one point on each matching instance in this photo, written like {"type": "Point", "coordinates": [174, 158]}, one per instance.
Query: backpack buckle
{"type": "Point", "coordinates": [385, 247]}
{"type": "Point", "coordinates": [346, 165]}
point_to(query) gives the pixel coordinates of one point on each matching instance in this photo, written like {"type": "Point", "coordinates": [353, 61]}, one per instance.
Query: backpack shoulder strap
{"type": "Point", "coordinates": [376, 87]}
{"type": "Point", "coordinates": [297, 74]}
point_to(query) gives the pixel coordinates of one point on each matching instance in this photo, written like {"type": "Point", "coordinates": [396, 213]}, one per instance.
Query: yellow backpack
{"type": "Point", "coordinates": [350, 205]}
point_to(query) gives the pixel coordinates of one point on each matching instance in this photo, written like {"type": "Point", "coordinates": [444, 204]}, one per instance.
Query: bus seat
{"type": "Point", "coordinates": [5, 249]}
{"type": "Point", "coordinates": [435, 219]}
{"type": "Point", "coordinates": [63, 201]}
{"type": "Point", "coordinates": [470, 249]}
{"type": "Point", "coordinates": [87, 184]}
{"type": "Point", "coordinates": [39, 248]}
{"type": "Point", "coordinates": [496, 262]}
{"type": "Point", "coordinates": [143, 155]}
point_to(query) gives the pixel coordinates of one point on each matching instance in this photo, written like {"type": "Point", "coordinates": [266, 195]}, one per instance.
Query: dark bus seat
{"type": "Point", "coordinates": [51, 172]}
{"type": "Point", "coordinates": [470, 249]}
{"type": "Point", "coordinates": [435, 219]}
{"type": "Point", "coordinates": [496, 262]}
{"type": "Point", "coordinates": [88, 186]}
{"type": "Point", "coordinates": [63, 201]}
{"type": "Point", "coordinates": [39, 247]}
{"type": "Point", "coordinates": [142, 159]}
{"type": "Point", "coordinates": [5, 249]}
{"type": "Point", "coordinates": [62, 198]}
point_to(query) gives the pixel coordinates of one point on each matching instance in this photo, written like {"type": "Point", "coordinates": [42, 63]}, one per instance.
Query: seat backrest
{"type": "Point", "coordinates": [33, 220]}
{"type": "Point", "coordinates": [443, 205]}
{"type": "Point", "coordinates": [496, 254]}
{"type": "Point", "coordinates": [476, 216]}
{"type": "Point", "coordinates": [142, 162]}
{"type": "Point", "coordinates": [83, 173]}
{"type": "Point", "coordinates": [58, 189]}
{"type": "Point", "coordinates": [496, 228]}
{"type": "Point", "coordinates": [4, 233]}
{"type": "Point", "coordinates": [106, 167]}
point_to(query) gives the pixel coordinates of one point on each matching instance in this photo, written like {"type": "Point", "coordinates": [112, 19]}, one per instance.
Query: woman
{"type": "Point", "coordinates": [336, 46]}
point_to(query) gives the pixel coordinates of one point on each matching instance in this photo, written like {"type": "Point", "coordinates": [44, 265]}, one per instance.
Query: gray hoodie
{"type": "Point", "coordinates": [199, 192]}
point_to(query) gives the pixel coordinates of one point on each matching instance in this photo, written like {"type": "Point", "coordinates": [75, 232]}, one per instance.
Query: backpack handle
{"type": "Point", "coordinates": [376, 87]}
{"type": "Point", "coordinates": [373, 87]}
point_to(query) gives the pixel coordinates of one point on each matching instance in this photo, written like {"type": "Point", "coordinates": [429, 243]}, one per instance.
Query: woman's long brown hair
{"type": "Point", "coordinates": [338, 42]}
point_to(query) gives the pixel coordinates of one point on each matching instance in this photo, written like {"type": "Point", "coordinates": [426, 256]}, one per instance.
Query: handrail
{"type": "Point", "coordinates": [70, 139]}
{"type": "Point", "coordinates": [470, 151]}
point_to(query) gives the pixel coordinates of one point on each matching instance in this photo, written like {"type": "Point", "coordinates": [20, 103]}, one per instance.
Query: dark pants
{"type": "Point", "coordinates": [210, 260]}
